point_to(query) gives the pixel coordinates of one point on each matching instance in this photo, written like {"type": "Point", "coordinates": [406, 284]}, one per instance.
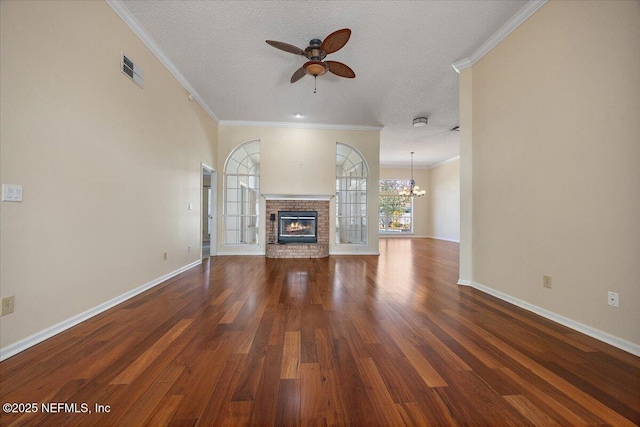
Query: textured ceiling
{"type": "Point", "coordinates": [401, 52]}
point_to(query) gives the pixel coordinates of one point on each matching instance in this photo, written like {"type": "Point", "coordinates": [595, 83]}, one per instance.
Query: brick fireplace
{"type": "Point", "coordinates": [320, 249]}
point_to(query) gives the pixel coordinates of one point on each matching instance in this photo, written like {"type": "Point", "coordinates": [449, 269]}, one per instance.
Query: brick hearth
{"type": "Point", "coordinates": [298, 250]}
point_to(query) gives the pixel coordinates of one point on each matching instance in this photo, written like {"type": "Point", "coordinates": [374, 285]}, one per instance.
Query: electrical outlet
{"type": "Point", "coordinates": [546, 281]}
{"type": "Point", "coordinates": [165, 256]}
{"type": "Point", "coordinates": [7, 305]}
{"type": "Point", "coordinates": [613, 299]}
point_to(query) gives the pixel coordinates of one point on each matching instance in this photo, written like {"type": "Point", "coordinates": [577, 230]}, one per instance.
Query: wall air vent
{"type": "Point", "coordinates": [131, 70]}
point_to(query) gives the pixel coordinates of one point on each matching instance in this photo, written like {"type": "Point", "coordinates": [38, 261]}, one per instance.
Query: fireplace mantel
{"type": "Point", "coordinates": [320, 197]}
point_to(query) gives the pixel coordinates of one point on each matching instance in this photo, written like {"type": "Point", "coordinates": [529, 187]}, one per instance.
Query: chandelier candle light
{"type": "Point", "coordinates": [413, 190]}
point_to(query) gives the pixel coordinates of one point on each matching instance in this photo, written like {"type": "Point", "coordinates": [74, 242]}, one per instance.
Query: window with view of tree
{"type": "Point", "coordinates": [396, 212]}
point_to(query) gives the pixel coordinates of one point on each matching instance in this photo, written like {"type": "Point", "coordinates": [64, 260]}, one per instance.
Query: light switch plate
{"type": "Point", "coordinates": [11, 193]}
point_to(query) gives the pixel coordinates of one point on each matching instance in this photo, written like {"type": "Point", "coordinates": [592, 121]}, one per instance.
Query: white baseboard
{"type": "Point", "coordinates": [359, 252]}
{"type": "Point", "coordinates": [618, 342]}
{"type": "Point", "coordinates": [414, 236]}
{"type": "Point", "coordinates": [227, 253]}
{"type": "Point", "coordinates": [335, 252]}
{"type": "Point", "coordinates": [38, 337]}
{"type": "Point", "coordinates": [442, 238]}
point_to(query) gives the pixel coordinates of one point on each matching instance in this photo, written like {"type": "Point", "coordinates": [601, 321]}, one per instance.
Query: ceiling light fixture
{"type": "Point", "coordinates": [315, 68]}
{"type": "Point", "coordinates": [316, 52]}
{"type": "Point", "coordinates": [412, 190]}
{"type": "Point", "coordinates": [420, 121]}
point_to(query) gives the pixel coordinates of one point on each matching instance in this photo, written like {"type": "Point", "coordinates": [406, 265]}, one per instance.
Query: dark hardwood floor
{"type": "Point", "coordinates": [345, 340]}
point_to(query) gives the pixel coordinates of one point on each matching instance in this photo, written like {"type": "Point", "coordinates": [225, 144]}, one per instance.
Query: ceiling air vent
{"type": "Point", "coordinates": [131, 70]}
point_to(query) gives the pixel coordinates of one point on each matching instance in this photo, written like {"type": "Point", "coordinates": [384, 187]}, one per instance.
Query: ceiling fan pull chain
{"type": "Point", "coordinates": [315, 79]}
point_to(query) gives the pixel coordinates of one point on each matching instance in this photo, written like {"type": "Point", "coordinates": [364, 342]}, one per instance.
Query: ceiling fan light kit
{"type": "Point", "coordinates": [420, 121]}
{"type": "Point", "coordinates": [315, 68]}
{"type": "Point", "coordinates": [316, 52]}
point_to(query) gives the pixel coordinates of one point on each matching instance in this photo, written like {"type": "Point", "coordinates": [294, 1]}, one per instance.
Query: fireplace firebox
{"type": "Point", "coordinates": [297, 227]}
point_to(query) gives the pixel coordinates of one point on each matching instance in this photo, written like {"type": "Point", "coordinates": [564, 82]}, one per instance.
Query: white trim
{"type": "Point", "coordinates": [135, 26]}
{"type": "Point", "coordinates": [213, 235]}
{"type": "Point", "coordinates": [319, 197]}
{"type": "Point", "coordinates": [343, 251]}
{"type": "Point", "coordinates": [245, 253]}
{"type": "Point", "coordinates": [299, 125]}
{"type": "Point", "coordinates": [577, 326]}
{"type": "Point", "coordinates": [411, 236]}
{"type": "Point", "coordinates": [38, 337]}
{"type": "Point", "coordinates": [529, 9]}
{"type": "Point", "coordinates": [443, 239]}
{"type": "Point", "coordinates": [462, 64]}
{"type": "Point", "coordinates": [444, 162]}
{"type": "Point", "coordinates": [331, 253]}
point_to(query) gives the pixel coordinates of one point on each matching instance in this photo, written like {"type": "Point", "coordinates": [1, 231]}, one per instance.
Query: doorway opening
{"type": "Point", "coordinates": [209, 200]}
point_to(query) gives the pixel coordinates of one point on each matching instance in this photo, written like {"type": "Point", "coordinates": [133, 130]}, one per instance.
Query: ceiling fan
{"type": "Point", "coordinates": [316, 52]}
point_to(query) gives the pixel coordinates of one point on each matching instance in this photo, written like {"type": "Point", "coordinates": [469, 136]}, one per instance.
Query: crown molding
{"type": "Point", "coordinates": [444, 162]}
{"type": "Point", "coordinates": [405, 166]}
{"type": "Point", "coordinates": [529, 9]}
{"type": "Point", "coordinates": [462, 64]}
{"type": "Point", "coordinates": [135, 26]}
{"type": "Point", "coordinates": [300, 125]}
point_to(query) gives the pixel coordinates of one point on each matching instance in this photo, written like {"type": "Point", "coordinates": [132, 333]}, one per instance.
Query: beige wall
{"type": "Point", "coordinates": [421, 207]}
{"type": "Point", "coordinates": [301, 161]}
{"type": "Point", "coordinates": [444, 201]}
{"type": "Point", "coordinates": [556, 155]}
{"type": "Point", "coordinates": [108, 169]}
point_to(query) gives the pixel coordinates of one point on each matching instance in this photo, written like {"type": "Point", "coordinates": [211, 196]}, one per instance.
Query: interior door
{"type": "Point", "coordinates": [209, 213]}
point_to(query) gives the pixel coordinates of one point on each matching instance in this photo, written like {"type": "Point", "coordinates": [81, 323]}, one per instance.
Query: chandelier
{"type": "Point", "coordinates": [412, 190]}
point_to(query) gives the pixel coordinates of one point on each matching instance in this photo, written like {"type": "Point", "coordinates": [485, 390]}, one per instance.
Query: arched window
{"type": "Point", "coordinates": [241, 190]}
{"type": "Point", "coordinates": [351, 196]}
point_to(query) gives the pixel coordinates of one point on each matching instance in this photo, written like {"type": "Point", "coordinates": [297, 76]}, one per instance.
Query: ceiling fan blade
{"type": "Point", "coordinates": [336, 40]}
{"type": "Point", "coordinates": [300, 73]}
{"type": "Point", "coordinates": [286, 47]}
{"type": "Point", "coordinates": [340, 69]}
